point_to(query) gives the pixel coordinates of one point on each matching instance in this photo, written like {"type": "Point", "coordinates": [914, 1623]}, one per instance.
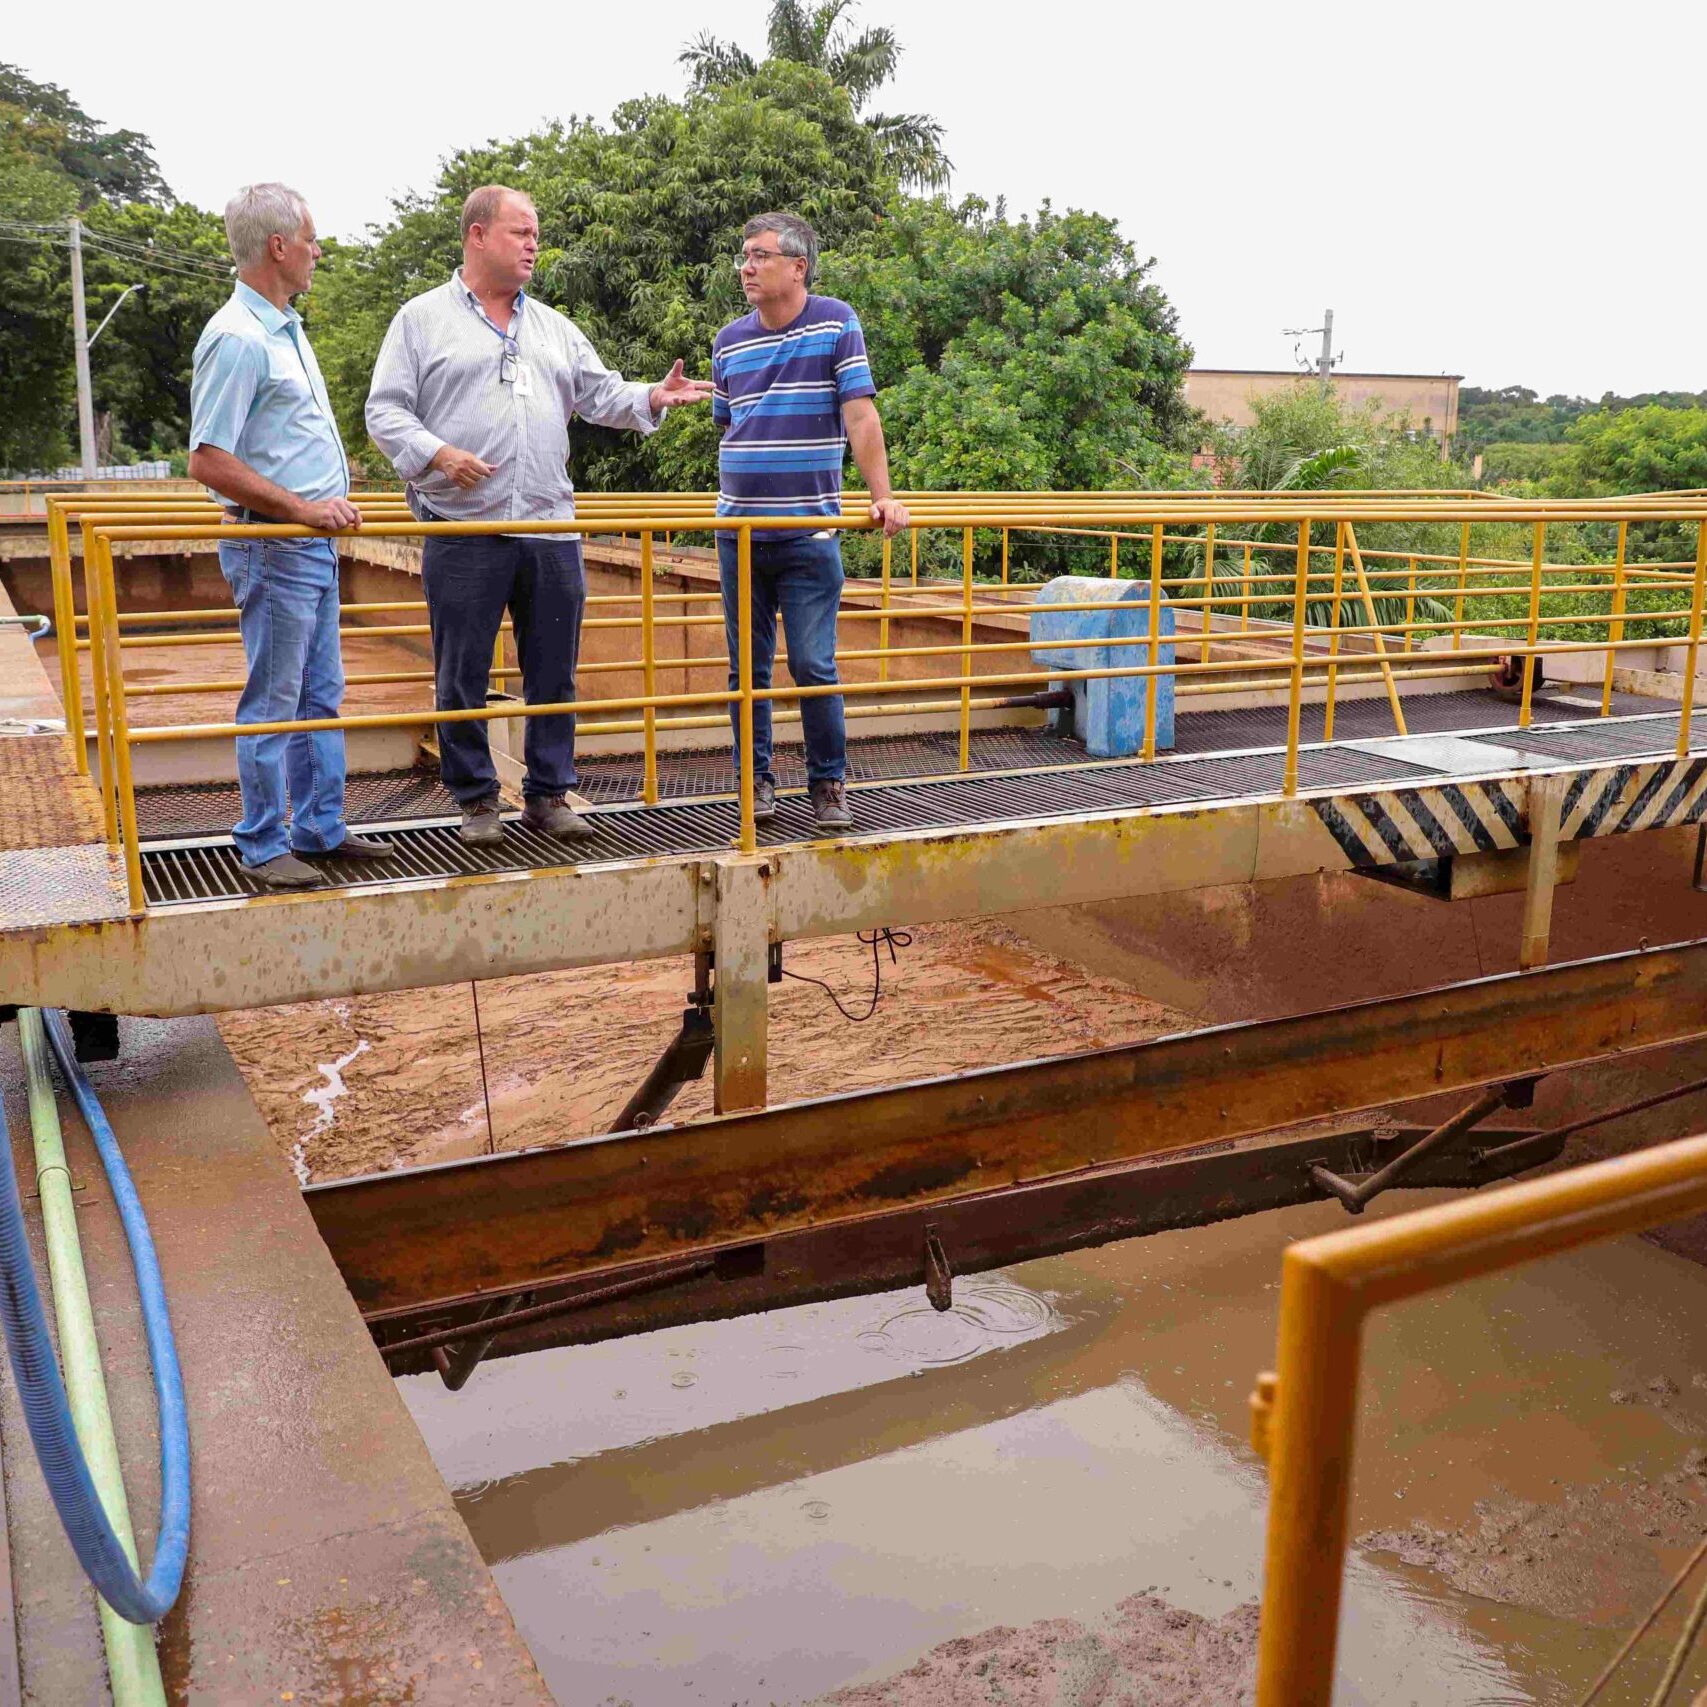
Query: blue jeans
{"type": "Point", "coordinates": [801, 578]}
{"type": "Point", "coordinates": [469, 584]}
{"type": "Point", "coordinates": [287, 603]}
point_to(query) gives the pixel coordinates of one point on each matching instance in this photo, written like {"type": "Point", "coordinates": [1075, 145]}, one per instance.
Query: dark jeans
{"type": "Point", "coordinates": [469, 584]}
{"type": "Point", "coordinates": [801, 578]}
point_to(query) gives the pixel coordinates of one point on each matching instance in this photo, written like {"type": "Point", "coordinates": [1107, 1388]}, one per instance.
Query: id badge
{"type": "Point", "coordinates": [524, 379]}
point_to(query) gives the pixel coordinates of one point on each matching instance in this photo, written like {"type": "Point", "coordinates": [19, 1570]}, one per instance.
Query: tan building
{"type": "Point", "coordinates": [1429, 399]}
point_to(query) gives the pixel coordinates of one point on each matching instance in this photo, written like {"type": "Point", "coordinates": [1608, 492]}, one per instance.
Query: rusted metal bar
{"type": "Point", "coordinates": [882, 1252]}
{"type": "Point", "coordinates": [1536, 1142]}
{"type": "Point", "coordinates": [500, 1223]}
{"type": "Point", "coordinates": [1357, 1196]}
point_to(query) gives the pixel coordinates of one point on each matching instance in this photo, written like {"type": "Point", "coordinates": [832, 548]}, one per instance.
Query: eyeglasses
{"type": "Point", "coordinates": [757, 255]}
{"type": "Point", "coordinates": [508, 361]}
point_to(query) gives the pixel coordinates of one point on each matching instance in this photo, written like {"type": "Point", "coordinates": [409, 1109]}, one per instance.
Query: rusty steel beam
{"type": "Point", "coordinates": [510, 1222]}
{"type": "Point", "coordinates": [878, 1253]}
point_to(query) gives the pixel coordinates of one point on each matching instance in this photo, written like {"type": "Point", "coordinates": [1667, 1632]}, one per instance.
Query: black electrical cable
{"type": "Point", "coordinates": [885, 936]}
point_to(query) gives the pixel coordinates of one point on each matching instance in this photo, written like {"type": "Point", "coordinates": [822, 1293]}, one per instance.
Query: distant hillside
{"type": "Point", "coordinates": [1516, 415]}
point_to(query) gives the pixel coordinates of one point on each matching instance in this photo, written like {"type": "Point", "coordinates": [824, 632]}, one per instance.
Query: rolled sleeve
{"type": "Point", "coordinates": [599, 395]}
{"type": "Point", "coordinates": [392, 400]}
{"type": "Point", "coordinates": [227, 375]}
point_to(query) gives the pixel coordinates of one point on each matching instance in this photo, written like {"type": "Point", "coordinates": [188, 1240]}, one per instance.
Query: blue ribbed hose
{"type": "Point", "coordinates": [42, 1390]}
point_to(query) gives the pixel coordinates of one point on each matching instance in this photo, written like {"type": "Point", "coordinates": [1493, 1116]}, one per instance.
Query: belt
{"type": "Point", "coordinates": [244, 517]}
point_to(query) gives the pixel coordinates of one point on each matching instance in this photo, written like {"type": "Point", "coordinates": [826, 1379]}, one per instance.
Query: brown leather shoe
{"type": "Point", "coordinates": [481, 826]}
{"type": "Point", "coordinates": [286, 871]}
{"type": "Point", "coordinates": [551, 815]}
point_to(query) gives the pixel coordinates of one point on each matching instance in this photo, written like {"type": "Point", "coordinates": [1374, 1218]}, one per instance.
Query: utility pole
{"type": "Point", "coordinates": [80, 334]}
{"type": "Point", "coordinates": [1326, 368]}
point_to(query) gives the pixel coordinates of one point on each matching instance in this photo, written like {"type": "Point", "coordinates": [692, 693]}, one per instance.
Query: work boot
{"type": "Point", "coordinates": [286, 871]}
{"type": "Point", "coordinates": [764, 800]}
{"type": "Point", "coordinates": [830, 805]}
{"type": "Point", "coordinates": [481, 826]}
{"type": "Point", "coordinates": [552, 815]}
{"type": "Point", "coordinates": [353, 847]}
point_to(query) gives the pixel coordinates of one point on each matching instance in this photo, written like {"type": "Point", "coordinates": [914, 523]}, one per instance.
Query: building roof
{"type": "Point", "coordinates": [1309, 373]}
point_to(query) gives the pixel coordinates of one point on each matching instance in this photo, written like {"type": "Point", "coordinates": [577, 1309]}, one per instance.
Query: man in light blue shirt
{"type": "Point", "coordinates": [263, 440]}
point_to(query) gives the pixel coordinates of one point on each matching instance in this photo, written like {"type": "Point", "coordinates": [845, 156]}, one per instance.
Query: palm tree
{"type": "Point", "coordinates": [820, 35]}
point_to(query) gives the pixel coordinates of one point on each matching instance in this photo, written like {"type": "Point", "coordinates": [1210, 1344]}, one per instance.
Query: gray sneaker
{"type": "Point", "coordinates": [286, 871]}
{"type": "Point", "coordinates": [552, 816]}
{"type": "Point", "coordinates": [830, 805]}
{"type": "Point", "coordinates": [764, 800]}
{"type": "Point", "coordinates": [481, 826]}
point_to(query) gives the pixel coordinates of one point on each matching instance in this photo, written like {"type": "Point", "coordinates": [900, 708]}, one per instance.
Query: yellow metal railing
{"type": "Point", "coordinates": [1303, 1417]}
{"type": "Point", "coordinates": [1279, 647]}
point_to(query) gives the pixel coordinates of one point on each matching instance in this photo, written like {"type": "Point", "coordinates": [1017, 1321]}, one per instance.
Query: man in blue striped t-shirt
{"type": "Point", "coordinates": [792, 391]}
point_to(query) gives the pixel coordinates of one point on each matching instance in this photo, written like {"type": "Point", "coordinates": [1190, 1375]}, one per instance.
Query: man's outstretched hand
{"type": "Point", "coordinates": [675, 389]}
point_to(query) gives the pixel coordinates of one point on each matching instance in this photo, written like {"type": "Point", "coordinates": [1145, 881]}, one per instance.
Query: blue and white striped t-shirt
{"type": "Point", "coordinates": [778, 396]}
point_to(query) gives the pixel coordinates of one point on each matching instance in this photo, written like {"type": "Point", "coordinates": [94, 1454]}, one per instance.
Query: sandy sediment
{"type": "Point", "coordinates": [1146, 1654]}
{"type": "Point", "coordinates": [373, 1082]}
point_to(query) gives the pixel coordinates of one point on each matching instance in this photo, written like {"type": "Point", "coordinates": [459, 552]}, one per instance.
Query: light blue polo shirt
{"type": "Point", "coordinates": [257, 393]}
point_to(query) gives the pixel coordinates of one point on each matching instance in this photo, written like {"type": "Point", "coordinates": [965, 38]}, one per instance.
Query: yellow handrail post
{"type": "Point", "coordinates": [1534, 624]}
{"type": "Point", "coordinates": [1615, 630]}
{"type": "Point", "coordinates": [1305, 1413]}
{"type": "Point", "coordinates": [1334, 635]}
{"type": "Point", "coordinates": [1368, 602]}
{"type": "Point", "coordinates": [1245, 593]}
{"type": "Point", "coordinates": [1114, 557]}
{"type": "Point", "coordinates": [649, 673]}
{"type": "Point", "coordinates": [744, 677]}
{"type": "Point", "coordinates": [1410, 604]}
{"type": "Point", "coordinates": [1688, 707]}
{"type": "Point", "coordinates": [126, 786]}
{"type": "Point", "coordinates": [98, 679]}
{"type": "Point", "coordinates": [883, 621]}
{"type": "Point", "coordinates": [497, 683]}
{"type": "Point", "coordinates": [1295, 694]}
{"type": "Point", "coordinates": [65, 631]}
{"type": "Point", "coordinates": [1004, 556]}
{"type": "Point", "coordinates": [915, 534]}
{"type": "Point", "coordinates": [966, 656]}
{"type": "Point", "coordinates": [1463, 575]}
{"type": "Point", "coordinates": [1207, 615]}
{"type": "Point", "coordinates": [1152, 653]}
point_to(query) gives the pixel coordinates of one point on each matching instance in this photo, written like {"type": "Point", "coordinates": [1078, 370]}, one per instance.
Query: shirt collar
{"type": "Point", "coordinates": [274, 318]}
{"type": "Point", "coordinates": [460, 288]}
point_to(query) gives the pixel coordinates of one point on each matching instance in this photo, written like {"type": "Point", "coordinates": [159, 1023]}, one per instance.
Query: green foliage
{"type": "Point", "coordinates": [819, 36]}
{"type": "Point", "coordinates": [1651, 449]}
{"type": "Point", "coordinates": [1018, 355]}
{"type": "Point", "coordinates": [41, 120]}
{"type": "Point", "coordinates": [1516, 415]}
{"type": "Point", "coordinates": [1521, 461]}
{"type": "Point", "coordinates": [640, 228]}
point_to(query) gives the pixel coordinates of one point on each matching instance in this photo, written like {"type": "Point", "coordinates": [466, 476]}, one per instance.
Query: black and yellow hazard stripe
{"type": "Point", "coordinates": [1399, 825]}
{"type": "Point", "coordinates": [1649, 796]}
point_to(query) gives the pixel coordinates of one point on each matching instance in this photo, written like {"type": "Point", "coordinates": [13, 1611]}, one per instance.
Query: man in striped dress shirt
{"type": "Point", "coordinates": [792, 391]}
{"type": "Point", "coordinates": [471, 400]}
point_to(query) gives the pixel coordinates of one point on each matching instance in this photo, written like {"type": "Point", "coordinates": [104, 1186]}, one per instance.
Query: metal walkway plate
{"type": "Point", "coordinates": [185, 874]}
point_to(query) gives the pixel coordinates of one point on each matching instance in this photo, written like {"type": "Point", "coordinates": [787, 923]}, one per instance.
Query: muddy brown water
{"type": "Point", "coordinates": [774, 1509]}
{"type": "Point", "coordinates": [1044, 1496]}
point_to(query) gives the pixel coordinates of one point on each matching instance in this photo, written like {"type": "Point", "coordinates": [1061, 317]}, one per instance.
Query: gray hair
{"type": "Point", "coordinates": [481, 206]}
{"type": "Point", "coordinates": [260, 211]}
{"type": "Point", "coordinates": [793, 237]}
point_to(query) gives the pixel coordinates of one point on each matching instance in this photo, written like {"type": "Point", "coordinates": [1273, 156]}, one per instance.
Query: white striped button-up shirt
{"type": "Point", "coordinates": [438, 381]}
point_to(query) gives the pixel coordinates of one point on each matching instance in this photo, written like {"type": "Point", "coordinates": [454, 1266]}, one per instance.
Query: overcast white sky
{"type": "Point", "coordinates": [1508, 191]}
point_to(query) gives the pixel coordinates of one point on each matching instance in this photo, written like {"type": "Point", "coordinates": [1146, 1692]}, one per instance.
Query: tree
{"type": "Point", "coordinates": [1018, 354]}
{"type": "Point", "coordinates": [42, 119]}
{"type": "Point", "coordinates": [640, 231]}
{"type": "Point", "coordinates": [819, 35]}
{"type": "Point", "coordinates": [1647, 449]}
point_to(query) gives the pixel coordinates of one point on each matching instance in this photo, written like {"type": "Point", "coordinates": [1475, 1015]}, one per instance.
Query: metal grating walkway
{"type": "Point", "coordinates": [180, 875]}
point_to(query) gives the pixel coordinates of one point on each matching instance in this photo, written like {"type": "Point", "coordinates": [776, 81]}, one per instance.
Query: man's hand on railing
{"type": "Point", "coordinates": [328, 515]}
{"type": "Point", "coordinates": [892, 513]}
